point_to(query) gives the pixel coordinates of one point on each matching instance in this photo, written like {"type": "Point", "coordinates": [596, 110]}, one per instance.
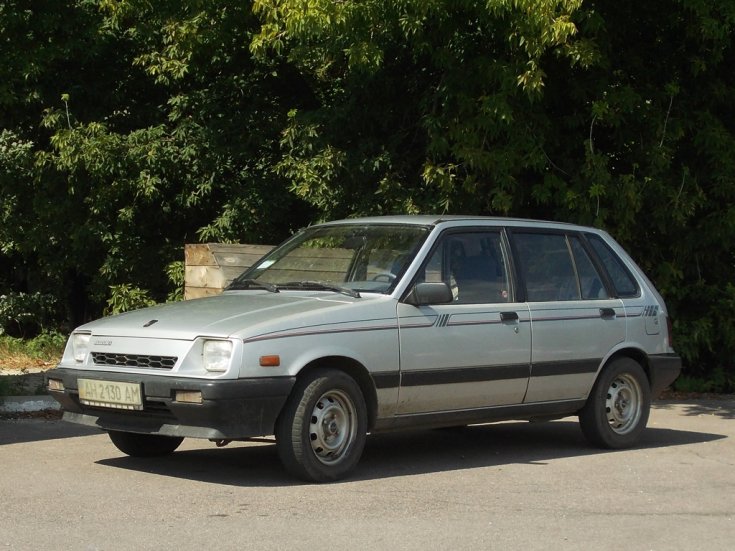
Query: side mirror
{"type": "Point", "coordinates": [429, 293]}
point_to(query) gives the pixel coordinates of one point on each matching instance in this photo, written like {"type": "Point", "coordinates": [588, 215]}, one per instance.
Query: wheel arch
{"type": "Point", "coordinates": [354, 369]}
{"type": "Point", "coordinates": [618, 406]}
{"type": "Point", "coordinates": [635, 354]}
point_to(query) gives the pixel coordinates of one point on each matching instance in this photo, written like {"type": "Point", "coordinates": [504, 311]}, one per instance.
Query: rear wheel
{"type": "Point", "coordinates": [321, 432]}
{"type": "Point", "coordinates": [617, 409]}
{"type": "Point", "coordinates": [144, 445]}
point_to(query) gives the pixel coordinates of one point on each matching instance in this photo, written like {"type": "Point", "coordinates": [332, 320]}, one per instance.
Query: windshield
{"type": "Point", "coordinates": [344, 258]}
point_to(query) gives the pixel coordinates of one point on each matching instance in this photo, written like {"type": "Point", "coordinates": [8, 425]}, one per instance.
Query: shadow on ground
{"type": "Point", "coordinates": [19, 431]}
{"type": "Point", "coordinates": [401, 454]}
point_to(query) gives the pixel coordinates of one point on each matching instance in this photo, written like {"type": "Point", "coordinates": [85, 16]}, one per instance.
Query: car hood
{"type": "Point", "coordinates": [241, 313]}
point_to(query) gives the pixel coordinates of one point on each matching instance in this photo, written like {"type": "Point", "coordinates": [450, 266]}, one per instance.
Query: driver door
{"type": "Point", "coordinates": [474, 352]}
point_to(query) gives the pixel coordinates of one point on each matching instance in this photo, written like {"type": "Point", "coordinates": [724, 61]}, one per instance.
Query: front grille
{"type": "Point", "coordinates": [134, 360]}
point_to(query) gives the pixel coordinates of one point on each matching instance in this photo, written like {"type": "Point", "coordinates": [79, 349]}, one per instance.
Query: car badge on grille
{"type": "Point", "coordinates": [150, 323]}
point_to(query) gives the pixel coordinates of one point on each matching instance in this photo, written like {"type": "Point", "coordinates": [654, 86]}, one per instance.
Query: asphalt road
{"type": "Point", "coordinates": [502, 486]}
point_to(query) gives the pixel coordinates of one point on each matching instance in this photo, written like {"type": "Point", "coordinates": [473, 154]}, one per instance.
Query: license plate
{"type": "Point", "coordinates": [110, 394]}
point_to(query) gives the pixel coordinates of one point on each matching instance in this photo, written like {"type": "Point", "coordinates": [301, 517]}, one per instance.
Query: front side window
{"type": "Point", "coordinates": [473, 265]}
{"type": "Point", "coordinates": [368, 258]}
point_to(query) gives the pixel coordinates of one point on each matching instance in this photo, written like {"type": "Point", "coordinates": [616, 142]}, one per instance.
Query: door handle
{"type": "Point", "coordinates": [508, 316]}
{"type": "Point", "coordinates": [607, 313]}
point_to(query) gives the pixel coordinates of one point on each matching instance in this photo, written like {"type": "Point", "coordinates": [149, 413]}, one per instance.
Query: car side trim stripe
{"type": "Point", "coordinates": [284, 335]}
{"type": "Point", "coordinates": [566, 318]}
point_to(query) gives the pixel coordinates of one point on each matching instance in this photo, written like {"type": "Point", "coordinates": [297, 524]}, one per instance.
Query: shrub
{"type": "Point", "coordinates": [26, 314]}
{"type": "Point", "coordinates": [127, 297]}
{"type": "Point", "coordinates": [175, 273]}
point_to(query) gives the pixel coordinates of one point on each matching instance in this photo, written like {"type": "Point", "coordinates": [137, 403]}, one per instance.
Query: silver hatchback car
{"type": "Point", "coordinates": [380, 324]}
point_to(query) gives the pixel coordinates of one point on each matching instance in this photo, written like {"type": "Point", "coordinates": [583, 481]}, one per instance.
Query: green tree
{"type": "Point", "coordinates": [135, 129]}
{"type": "Point", "coordinates": [418, 105]}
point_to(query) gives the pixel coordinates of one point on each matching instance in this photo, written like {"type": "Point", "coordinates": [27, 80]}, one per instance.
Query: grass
{"type": "Point", "coordinates": [43, 351]}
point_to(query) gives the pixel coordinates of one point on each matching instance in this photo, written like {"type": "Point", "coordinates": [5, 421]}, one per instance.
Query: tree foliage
{"type": "Point", "coordinates": [129, 131]}
{"type": "Point", "coordinates": [436, 102]}
{"type": "Point", "coordinates": [128, 128]}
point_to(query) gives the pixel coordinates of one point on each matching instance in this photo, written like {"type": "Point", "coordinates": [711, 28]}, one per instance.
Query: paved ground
{"type": "Point", "coordinates": [503, 486]}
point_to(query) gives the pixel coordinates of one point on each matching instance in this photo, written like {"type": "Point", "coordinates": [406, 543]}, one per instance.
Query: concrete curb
{"type": "Point", "coordinates": [23, 404]}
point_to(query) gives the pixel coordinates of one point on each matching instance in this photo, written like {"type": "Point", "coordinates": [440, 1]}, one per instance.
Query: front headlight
{"type": "Point", "coordinates": [216, 355]}
{"type": "Point", "coordinates": [80, 346]}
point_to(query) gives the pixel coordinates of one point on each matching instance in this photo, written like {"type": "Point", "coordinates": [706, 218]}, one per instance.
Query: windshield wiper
{"type": "Point", "coordinates": [321, 286]}
{"type": "Point", "coordinates": [240, 284]}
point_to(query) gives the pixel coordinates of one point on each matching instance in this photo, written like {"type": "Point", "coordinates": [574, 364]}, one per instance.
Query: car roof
{"type": "Point", "coordinates": [436, 219]}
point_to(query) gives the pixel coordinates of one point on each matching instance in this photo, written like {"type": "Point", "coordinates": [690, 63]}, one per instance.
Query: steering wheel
{"type": "Point", "coordinates": [386, 276]}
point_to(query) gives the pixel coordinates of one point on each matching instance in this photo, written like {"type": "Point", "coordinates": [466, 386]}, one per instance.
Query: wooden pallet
{"type": "Point", "coordinates": [210, 267]}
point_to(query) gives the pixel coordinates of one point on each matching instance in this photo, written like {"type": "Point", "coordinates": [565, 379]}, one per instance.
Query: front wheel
{"type": "Point", "coordinates": [617, 409]}
{"type": "Point", "coordinates": [144, 445]}
{"type": "Point", "coordinates": [321, 431]}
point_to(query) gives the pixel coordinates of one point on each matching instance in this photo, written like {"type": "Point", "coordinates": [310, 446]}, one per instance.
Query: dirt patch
{"type": "Point", "coordinates": [20, 364]}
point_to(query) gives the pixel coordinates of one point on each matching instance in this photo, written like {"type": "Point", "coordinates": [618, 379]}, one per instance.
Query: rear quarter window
{"type": "Point", "coordinates": [623, 281]}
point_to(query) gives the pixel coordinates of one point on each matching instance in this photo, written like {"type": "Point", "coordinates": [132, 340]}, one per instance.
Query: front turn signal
{"type": "Point", "coordinates": [270, 361]}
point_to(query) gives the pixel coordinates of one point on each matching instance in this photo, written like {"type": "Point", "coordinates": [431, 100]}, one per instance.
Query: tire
{"type": "Point", "coordinates": [144, 445]}
{"type": "Point", "coordinates": [617, 409]}
{"type": "Point", "coordinates": [321, 431]}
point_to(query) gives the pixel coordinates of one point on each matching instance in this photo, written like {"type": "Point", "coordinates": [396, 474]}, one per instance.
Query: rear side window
{"type": "Point", "coordinates": [624, 283]}
{"type": "Point", "coordinates": [547, 267]}
{"type": "Point", "coordinates": [557, 267]}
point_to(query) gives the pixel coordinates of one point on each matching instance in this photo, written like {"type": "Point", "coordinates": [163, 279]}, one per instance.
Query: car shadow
{"type": "Point", "coordinates": [21, 431]}
{"type": "Point", "coordinates": [401, 454]}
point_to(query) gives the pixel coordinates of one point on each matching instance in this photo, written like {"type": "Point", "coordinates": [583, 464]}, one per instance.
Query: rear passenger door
{"type": "Point", "coordinates": [574, 320]}
{"type": "Point", "coordinates": [474, 352]}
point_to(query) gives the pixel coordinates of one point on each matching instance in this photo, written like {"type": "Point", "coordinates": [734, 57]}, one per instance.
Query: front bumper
{"type": "Point", "coordinates": [664, 369]}
{"type": "Point", "coordinates": [230, 408]}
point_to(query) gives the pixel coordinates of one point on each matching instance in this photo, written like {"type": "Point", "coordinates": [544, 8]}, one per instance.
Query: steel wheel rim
{"type": "Point", "coordinates": [623, 405]}
{"type": "Point", "coordinates": [333, 426]}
